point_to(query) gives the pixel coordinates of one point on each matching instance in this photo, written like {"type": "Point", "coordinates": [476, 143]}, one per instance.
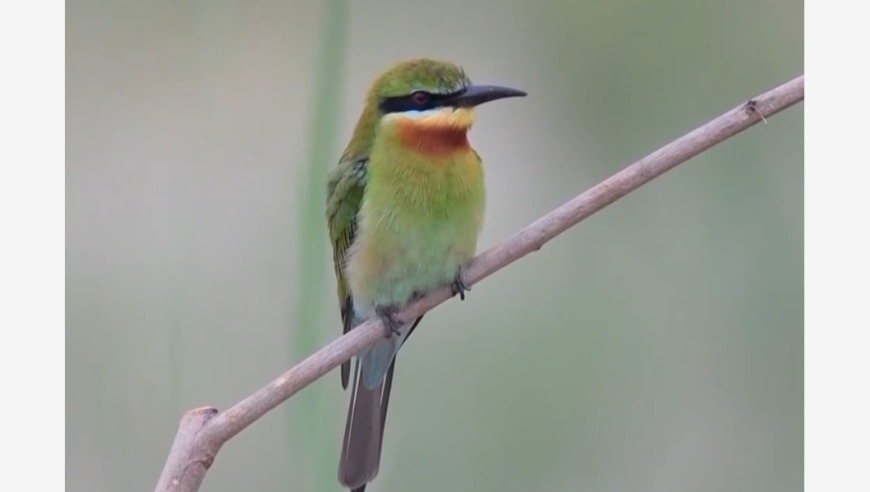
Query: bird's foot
{"type": "Point", "coordinates": [388, 317]}
{"type": "Point", "coordinates": [459, 286]}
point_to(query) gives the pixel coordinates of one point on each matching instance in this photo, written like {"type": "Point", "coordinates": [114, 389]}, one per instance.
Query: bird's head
{"type": "Point", "coordinates": [424, 94]}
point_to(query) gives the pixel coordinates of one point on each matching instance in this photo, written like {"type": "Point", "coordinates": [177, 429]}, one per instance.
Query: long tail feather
{"type": "Point", "coordinates": [361, 449]}
{"type": "Point", "coordinates": [364, 430]}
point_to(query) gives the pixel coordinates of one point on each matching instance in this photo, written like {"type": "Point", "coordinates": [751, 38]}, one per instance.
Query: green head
{"type": "Point", "coordinates": [422, 74]}
{"type": "Point", "coordinates": [421, 89]}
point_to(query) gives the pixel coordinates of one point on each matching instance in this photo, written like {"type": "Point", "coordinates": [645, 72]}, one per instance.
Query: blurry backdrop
{"type": "Point", "coordinates": [656, 347]}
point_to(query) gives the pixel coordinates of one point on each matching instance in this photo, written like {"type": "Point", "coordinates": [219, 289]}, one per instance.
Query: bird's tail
{"type": "Point", "coordinates": [364, 431]}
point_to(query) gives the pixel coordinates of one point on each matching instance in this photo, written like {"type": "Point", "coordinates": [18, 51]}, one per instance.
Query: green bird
{"type": "Point", "coordinates": [404, 206]}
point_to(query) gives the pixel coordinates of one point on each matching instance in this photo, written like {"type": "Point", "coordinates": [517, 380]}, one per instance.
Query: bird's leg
{"type": "Point", "coordinates": [459, 286]}
{"type": "Point", "coordinates": [388, 317]}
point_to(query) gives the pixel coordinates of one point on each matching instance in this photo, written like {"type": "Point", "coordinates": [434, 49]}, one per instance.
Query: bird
{"type": "Point", "coordinates": [404, 210]}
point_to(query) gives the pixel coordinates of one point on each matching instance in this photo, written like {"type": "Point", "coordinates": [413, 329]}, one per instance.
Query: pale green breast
{"type": "Point", "coordinates": [419, 222]}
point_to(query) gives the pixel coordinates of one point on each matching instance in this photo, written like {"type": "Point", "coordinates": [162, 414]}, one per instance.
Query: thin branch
{"type": "Point", "coordinates": [203, 431]}
{"type": "Point", "coordinates": [189, 455]}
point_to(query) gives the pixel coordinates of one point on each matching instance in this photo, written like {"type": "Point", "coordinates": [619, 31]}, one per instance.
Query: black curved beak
{"type": "Point", "coordinates": [479, 94]}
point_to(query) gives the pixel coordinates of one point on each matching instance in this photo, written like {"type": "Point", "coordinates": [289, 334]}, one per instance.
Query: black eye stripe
{"type": "Point", "coordinates": [406, 102]}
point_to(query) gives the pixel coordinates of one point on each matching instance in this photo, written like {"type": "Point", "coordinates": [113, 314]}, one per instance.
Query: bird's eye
{"type": "Point", "coordinates": [420, 98]}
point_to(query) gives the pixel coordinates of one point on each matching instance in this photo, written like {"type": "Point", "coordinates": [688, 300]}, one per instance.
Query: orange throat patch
{"type": "Point", "coordinates": [438, 134]}
{"type": "Point", "coordinates": [433, 139]}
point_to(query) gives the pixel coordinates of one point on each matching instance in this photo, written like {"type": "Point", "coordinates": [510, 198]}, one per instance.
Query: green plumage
{"type": "Point", "coordinates": [404, 208]}
{"type": "Point", "coordinates": [344, 196]}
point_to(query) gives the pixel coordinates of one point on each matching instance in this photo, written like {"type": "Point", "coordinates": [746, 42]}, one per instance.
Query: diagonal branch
{"type": "Point", "coordinates": [203, 431]}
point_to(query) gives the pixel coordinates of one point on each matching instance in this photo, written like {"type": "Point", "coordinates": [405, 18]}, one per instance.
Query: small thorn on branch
{"type": "Point", "coordinates": [752, 107]}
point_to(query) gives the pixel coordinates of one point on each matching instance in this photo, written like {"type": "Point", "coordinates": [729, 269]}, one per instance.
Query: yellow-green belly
{"type": "Point", "coordinates": [390, 265]}
{"type": "Point", "coordinates": [415, 231]}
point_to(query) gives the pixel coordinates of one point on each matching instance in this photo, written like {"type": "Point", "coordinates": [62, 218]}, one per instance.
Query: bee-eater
{"type": "Point", "coordinates": [404, 207]}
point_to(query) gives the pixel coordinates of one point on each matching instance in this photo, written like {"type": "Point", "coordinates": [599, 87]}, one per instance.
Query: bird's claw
{"type": "Point", "coordinates": [391, 324]}
{"type": "Point", "coordinates": [459, 286]}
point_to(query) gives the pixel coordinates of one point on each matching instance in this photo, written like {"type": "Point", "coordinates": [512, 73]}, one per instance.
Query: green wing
{"type": "Point", "coordinates": [344, 196]}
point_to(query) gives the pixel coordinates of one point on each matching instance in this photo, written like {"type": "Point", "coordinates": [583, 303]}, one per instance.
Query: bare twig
{"type": "Point", "coordinates": [203, 431]}
{"type": "Point", "coordinates": [189, 454]}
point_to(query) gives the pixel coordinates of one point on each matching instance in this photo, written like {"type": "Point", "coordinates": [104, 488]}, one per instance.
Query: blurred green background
{"type": "Point", "coordinates": [656, 347]}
